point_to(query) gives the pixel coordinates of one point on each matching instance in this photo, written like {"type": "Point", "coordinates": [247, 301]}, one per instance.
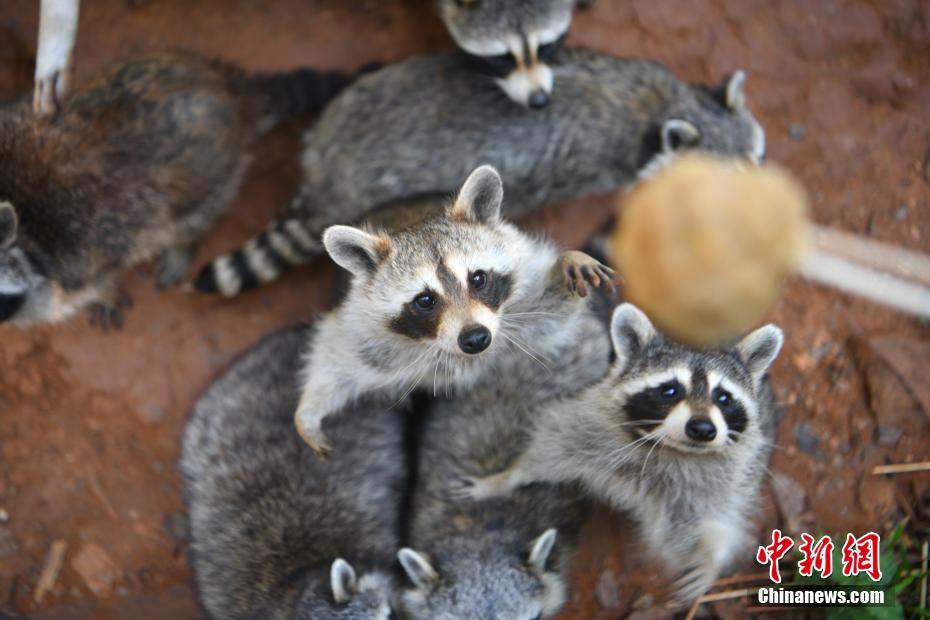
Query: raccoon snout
{"type": "Point", "coordinates": [10, 305]}
{"type": "Point", "coordinates": [700, 429]}
{"type": "Point", "coordinates": [474, 339]}
{"type": "Point", "coordinates": [538, 99]}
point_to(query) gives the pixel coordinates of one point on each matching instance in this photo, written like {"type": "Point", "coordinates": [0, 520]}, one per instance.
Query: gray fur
{"type": "Point", "coordinates": [268, 520]}
{"type": "Point", "coordinates": [420, 126]}
{"type": "Point", "coordinates": [482, 553]}
{"type": "Point", "coordinates": [693, 501]}
{"type": "Point", "coordinates": [512, 42]}
{"type": "Point", "coordinates": [357, 347]}
{"type": "Point", "coordinates": [133, 166]}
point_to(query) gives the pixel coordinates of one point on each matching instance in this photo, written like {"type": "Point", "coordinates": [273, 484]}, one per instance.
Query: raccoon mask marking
{"type": "Point", "coordinates": [512, 42]}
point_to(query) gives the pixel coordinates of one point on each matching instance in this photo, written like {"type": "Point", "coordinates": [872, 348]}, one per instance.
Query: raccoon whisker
{"type": "Point", "coordinates": [617, 457]}
{"type": "Point", "coordinates": [518, 340]}
{"type": "Point", "coordinates": [400, 374]}
{"type": "Point", "coordinates": [557, 314]}
{"type": "Point", "coordinates": [642, 472]}
{"type": "Point", "coordinates": [518, 345]}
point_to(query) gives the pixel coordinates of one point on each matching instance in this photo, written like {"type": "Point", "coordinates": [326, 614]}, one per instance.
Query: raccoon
{"type": "Point", "coordinates": [507, 558]}
{"type": "Point", "coordinates": [513, 42]}
{"type": "Point", "coordinates": [422, 126]}
{"type": "Point", "coordinates": [136, 164]}
{"type": "Point", "coordinates": [274, 533]}
{"type": "Point", "coordinates": [433, 303]}
{"type": "Point", "coordinates": [677, 436]}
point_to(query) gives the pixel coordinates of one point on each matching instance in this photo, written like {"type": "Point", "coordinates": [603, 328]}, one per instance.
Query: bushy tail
{"type": "Point", "coordinates": [301, 91]}
{"type": "Point", "coordinates": [286, 243]}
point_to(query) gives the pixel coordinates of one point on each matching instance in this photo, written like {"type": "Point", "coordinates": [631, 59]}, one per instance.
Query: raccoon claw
{"type": "Point", "coordinates": [45, 98]}
{"type": "Point", "coordinates": [107, 316]}
{"type": "Point", "coordinates": [693, 584]}
{"type": "Point", "coordinates": [316, 440]}
{"type": "Point", "coordinates": [463, 489]}
{"type": "Point", "coordinates": [579, 269]}
{"type": "Point", "coordinates": [171, 266]}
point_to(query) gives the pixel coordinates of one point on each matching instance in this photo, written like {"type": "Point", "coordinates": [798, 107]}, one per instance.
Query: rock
{"type": "Point", "coordinates": [901, 213]}
{"type": "Point", "coordinates": [98, 570]}
{"type": "Point", "coordinates": [909, 360]}
{"type": "Point", "coordinates": [807, 441]}
{"type": "Point", "coordinates": [176, 526]}
{"type": "Point", "coordinates": [790, 497]}
{"type": "Point", "coordinates": [797, 131]}
{"type": "Point", "coordinates": [8, 544]}
{"type": "Point", "coordinates": [888, 435]}
{"type": "Point", "coordinates": [877, 497]}
{"type": "Point", "coordinates": [607, 592]}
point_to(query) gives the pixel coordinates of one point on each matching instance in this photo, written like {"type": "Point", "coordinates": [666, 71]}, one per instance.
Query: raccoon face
{"type": "Point", "coordinates": [512, 41]}
{"type": "Point", "coordinates": [352, 598]}
{"type": "Point", "coordinates": [689, 400]}
{"type": "Point", "coordinates": [524, 591]}
{"type": "Point", "coordinates": [715, 120]}
{"type": "Point", "coordinates": [432, 299]}
{"type": "Point", "coordinates": [23, 290]}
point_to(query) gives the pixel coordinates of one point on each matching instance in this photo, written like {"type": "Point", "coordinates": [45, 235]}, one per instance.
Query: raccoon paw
{"type": "Point", "coordinates": [469, 488]}
{"type": "Point", "coordinates": [314, 438]}
{"type": "Point", "coordinates": [578, 270]}
{"type": "Point", "coordinates": [172, 265]}
{"type": "Point", "coordinates": [693, 583]}
{"type": "Point", "coordinates": [107, 315]}
{"type": "Point", "coordinates": [48, 89]}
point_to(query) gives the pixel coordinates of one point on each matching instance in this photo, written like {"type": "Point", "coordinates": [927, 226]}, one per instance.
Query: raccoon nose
{"type": "Point", "coordinates": [700, 429]}
{"type": "Point", "coordinates": [475, 339]}
{"type": "Point", "coordinates": [10, 305]}
{"type": "Point", "coordinates": [538, 99]}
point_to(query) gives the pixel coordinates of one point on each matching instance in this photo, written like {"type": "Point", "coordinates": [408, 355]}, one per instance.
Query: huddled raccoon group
{"type": "Point", "coordinates": [313, 489]}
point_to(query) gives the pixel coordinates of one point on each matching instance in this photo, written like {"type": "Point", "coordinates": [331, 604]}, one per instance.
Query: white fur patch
{"type": "Point", "coordinates": [227, 280]}
{"type": "Point", "coordinates": [57, 32]}
{"type": "Point", "coordinates": [523, 82]}
{"type": "Point", "coordinates": [258, 261]}
{"type": "Point", "coordinates": [681, 373]}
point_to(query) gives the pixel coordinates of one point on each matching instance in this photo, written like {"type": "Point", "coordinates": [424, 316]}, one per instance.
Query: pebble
{"type": "Point", "coordinates": [901, 213]}
{"type": "Point", "coordinates": [4, 515]}
{"type": "Point", "coordinates": [607, 592]}
{"type": "Point", "coordinates": [797, 131]}
{"type": "Point", "coordinates": [889, 435]}
{"type": "Point", "coordinates": [807, 441]}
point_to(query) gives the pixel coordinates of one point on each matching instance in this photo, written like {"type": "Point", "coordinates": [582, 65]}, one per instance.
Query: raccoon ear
{"type": "Point", "coordinates": [8, 224]}
{"type": "Point", "coordinates": [343, 581]}
{"type": "Point", "coordinates": [541, 549]}
{"type": "Point", "coordinates": [355, 250]}
{"type": "Point", "coordinates": [418, 569]}
{"type": "Point", "coordinates": [678, 134]}
{"type": "Point", "coordinates": [735, 98]}
{"type": "Point", "coordinates": [481, 196]}
{"type": "Point", "coordinates": [759, 349]}
{"type": "Point", "coordinates": [630, 331]}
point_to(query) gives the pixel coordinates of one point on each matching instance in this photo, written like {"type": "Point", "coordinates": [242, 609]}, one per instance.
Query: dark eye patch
{"type": "Point", "coordinates": [495, 291]}
{"type": "Point", "coordinates": [653, 404]}
{"type": "Point", "coordinates": [498, 66]}
{"type": "Point", "coordinates": [546, 53]}
{"type": "Point", "coordinates": [418, 320]}
{"type": "Point", "coordinates": [732, 410]}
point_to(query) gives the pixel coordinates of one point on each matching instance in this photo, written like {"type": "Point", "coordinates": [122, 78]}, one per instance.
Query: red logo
{"type": "Point", "coordinates": [860, 555]}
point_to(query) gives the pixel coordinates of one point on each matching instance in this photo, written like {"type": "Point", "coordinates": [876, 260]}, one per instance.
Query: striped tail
{"type": "Point", "coordinates": [285, 244]}
{"type": "Point", "coordinates": [301, 91]}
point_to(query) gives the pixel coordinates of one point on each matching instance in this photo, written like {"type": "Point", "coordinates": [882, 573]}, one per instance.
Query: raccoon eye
{"type": "Point", "coordinates": [669, 390]}
{"type": "Point", "coordinates": [478, 280]}
{"type": "Point", "coordinates": [546, 53]}
{"type": "Point", "coordinates": [424, 301]}
{"type": "Point", "coordinates": [723, 398]}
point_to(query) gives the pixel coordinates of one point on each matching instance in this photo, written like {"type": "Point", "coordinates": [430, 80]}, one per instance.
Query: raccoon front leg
{"type": "Point", "coordinates": [576, 270]}
{"type": "Point", "coordinates": [525, 470]}
{"type": "Point", "coordinates": [172, 265]}
{"type": "Point", "coordinates": [54, 59]}
{"type": "Point", "coordinates": [107, 312]}
{"type": "Point", "coordinates": [715, 547]}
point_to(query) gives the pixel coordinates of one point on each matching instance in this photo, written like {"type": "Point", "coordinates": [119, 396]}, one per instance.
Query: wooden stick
{"type": "Point", "coordinates": [740, 579]}
{"type": "Point", "coordinates": [874, 285]}
{"type": "Point", "coordinates": [50, 570]}
{"type": "Point", "coordinates": [925, 552]}
{"type": "Point", "coordinates": [901, 468]}
{"type": "Point", "coordinates": [882, 257]}
{"type": "Point", "coordinates": [718, 596]}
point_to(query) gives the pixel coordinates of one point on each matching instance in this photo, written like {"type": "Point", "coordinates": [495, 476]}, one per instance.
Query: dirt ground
{"type": "Point", "coordinates": [89, 422]}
